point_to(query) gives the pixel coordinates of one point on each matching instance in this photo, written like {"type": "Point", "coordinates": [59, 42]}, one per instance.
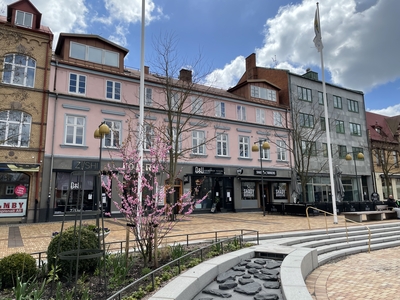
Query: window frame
{"type": "Point", "coordinates": [220, 109]}
{"type": "Point", "coordinates": [281, 153]}
{"type": "Point", "coordinates": [114, 89]}
{"type": "Point", "coordinates": [355, 129]}
{"type": "Point", "coordinates": [304, 93]}
{"type": "Point", "coordinates": [262, 93]}
{"type": "Point", "coordinates": [306, 117]}
{"type": "Point", "coordinates": [339, 125]}
{"type": "Point", "coordinates": [244, 146]}
{"type": "Point", "coordinates": [198, 145]}
{"type": "Point", "coordinates": [196, 104]}
{"type": "Point", "coordinates": [75, 127]}
{"type": "Point", "coordinates": [114, 144]}
{"type": "Point", "coordinates": [78, 81]}
{"type": "Point", "coordinates": [342, 151]}
{"type": "Point", "coordinates": [260, 116]}
{"type": "Point", "coordinates": [241, 113]}
{"type": "Point", "coordinates": [222, 141]}
{"type": "Point", "coordinates": [277, 116]}
{"type": "Point", "coordinates": [25, 14]}
{"type": "Point", "coordinates": [23, 136]}
{"type": "Point", "coordinates": [105, 54]}
{"type": "Point", "coordinates": [320, 98]}
{"type": "Point", "coordinates": [309, 148]}
{"type": "Point", "coordinates": [29, 70]}
{"type": "Point", "coordinates": [337, 102]}
{"type": "Point", "coordinates": [148, 137]}
{"type": "Point", "coordinates": [352, 106]}
{"type": "Point", "coordinates": [148, 96]}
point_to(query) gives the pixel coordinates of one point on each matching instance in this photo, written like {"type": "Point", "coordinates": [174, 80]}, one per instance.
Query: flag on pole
{"type": "Point", "coordinates": [317, 28]}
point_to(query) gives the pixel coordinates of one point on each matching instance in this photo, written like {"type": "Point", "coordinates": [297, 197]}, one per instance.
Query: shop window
{"type": "Point", "coordinates": [280, 191]}
{"type": "Point", "coordinates": [248, 190]}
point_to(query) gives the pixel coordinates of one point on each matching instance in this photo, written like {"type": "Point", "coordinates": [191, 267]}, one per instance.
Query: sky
{"type": "Point", "coordinates": [361, 38]}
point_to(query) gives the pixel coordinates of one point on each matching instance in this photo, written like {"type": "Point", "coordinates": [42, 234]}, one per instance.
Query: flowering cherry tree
{"type": "Point", "coordinates": [149, 214]}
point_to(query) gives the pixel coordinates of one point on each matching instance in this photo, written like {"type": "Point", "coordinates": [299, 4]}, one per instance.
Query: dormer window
{"type": "Point", "coordinates": [93, 54]}
{"type": "Point", "coordinates": [23, 19]}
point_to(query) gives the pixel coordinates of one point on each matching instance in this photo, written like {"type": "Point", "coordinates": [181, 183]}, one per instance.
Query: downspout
{"type": "Point", "coordinates": [52, 145]}
{"type": "Point", "coordinates": [41, 151]}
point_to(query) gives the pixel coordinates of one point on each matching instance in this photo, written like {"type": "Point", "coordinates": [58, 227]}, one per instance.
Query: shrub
{"type": "Point", "coordinates": [16, 265]}
{"type": "Point", "coordinates": [69, 240]}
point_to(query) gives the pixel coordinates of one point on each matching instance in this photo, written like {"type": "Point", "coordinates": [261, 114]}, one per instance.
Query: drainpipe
{"type": "Point", "coordinates": [41, 147]}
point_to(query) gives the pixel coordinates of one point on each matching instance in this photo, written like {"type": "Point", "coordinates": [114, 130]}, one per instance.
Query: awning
{"type": "Point", "coordinates": [20, 167]}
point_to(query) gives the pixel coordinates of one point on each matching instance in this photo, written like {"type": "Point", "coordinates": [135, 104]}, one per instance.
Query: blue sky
{"type": "Point", "coordinates": [361, 37]}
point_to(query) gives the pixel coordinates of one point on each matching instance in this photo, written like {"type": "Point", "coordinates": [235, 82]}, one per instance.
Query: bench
{"type": "Point", "coordinates": [372, 215]}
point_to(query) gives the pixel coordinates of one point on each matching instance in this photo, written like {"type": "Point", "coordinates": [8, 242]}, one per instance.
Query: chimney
{"type": "Point", "coordinates": [185, 75]}
{"type": "Point", "coordinates": [251, 68]}
{"type": "Point", "coordinates": [146, 70]}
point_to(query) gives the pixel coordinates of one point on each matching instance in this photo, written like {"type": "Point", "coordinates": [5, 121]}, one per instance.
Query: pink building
{"type": "Point", "coordinates": [89, 85]}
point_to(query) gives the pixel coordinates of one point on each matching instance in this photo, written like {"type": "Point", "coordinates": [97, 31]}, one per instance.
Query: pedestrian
{"type": "Point", "coordinates": [393, 205]}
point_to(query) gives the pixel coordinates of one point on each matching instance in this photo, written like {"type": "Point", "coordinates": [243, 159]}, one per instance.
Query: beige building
{"type": "Point", "coordinates": [25, 52]}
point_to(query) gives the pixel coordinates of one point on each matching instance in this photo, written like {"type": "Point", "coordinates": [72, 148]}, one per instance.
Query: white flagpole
{"type": "Point", "coordinates": [141, 116]}
{"type": "Point", "coordinates": [318, 43]}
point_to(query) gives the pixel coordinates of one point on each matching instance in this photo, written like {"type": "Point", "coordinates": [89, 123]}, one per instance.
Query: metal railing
{"type": "Point", "coordinates": [345, 223]}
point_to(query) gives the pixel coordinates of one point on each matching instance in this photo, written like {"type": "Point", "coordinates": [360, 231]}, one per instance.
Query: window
{"type": "Point", "coordinates": [173, 101]}
{"type": "Point", "coordinates": [342, 150]}
{"type": "Point", "coordinates": [220, 109]}
{"type": "Point", "coordinates": [113, 139]}
{"type": "Point", "coordinates": [10, 190]}
{"type": "Point", "coordinates": [93, 54]}
{"type": "Point", "coordinates": [148, 137]}
{"type": "Point", "coordinates": [222, 144]}
{"type": "Point", "coordinates": [337, 102]}
{"type": "Point", "coordinates": [148, 97]}
{"type": "Point", "coordinates": [19, 70]}
{"type": "Point", "coordinates": [281, 150]}
{"type": "Point", "coordinates": [322, 122]}
{"type": "Point", "coordinates": [197, 105]}
{"type": "Point", "coordinates": [265, 153]}
{"type": "Point", "coordinates": [395, 159]}
{"type": "Point", "coordinates": [306, 120]}
{"type": "Point", "coordinates": [241, 113]}
{"type": "Point", "coordinates": [262, 93]}
{"type": "Point", "coordinates": [309, 148]}
{"type": "Point", "coordinates": [77, 84]}
{"type": "Point", "coordinates": [304, 94]}
{"type": "Point", "coordinates": [355, 129]}
{"type": "Point", "coordinates": [15, 128]}
{"type": "Point", "coordinates": [277, 119]}
{"type": "Point", "coordinates": [244, 147]}
{"type": "Point", "coordinates": [198, 138]}
{"type": "Point", "coordinates": [320, 98]}
{"type": "Point", "coordinates": [74, 130]}
{"type": "Point", "coordinates": [352, 105]}
{"type": "Point", "coordinates": [113, 90]}
{"type": "Point", "coordinates": [325, 150]}
{"type": "Point", "coordinates": [176, 140]}
{"type": "Point", "coordinates": [23, 19]}
{"type": "Point", "coordinates": [260, 116]}
{"type": "Point", "coordinates": [339, 126]}
{"type": "Point", "coordinates": [357, 150]}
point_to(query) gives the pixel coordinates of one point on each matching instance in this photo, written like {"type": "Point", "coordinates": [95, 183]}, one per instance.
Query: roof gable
{"type": "Point", "coordinates": [25, 6]}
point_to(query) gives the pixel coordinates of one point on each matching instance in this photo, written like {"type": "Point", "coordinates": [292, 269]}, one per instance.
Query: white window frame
{"type": "Point", "coordinates": [113, 139]}
{"type": "Point", "coordinates": [241, 112]}
{"type": "Point", "coordinates": [77, 88]}
{"type": "Point", "coordinates": [76, 127]}
{"type": "Point", "coordinates": [277, 119]}
{"type": "Point", "coordinates": [106, 59]}
{"type": "Point", "coordinates": [222, 144]}
{"type": "Point", "coordinates": [148, 96]}
{"type": "Point", "coordinates": [265, 153]}
{"type": "Point", "coordinates": [260, 116]}
{"type": "Point", "coordinates": [174, 98]}
{"type": "Point", "coordinates": [262, 93]}
{"type": "Point", "coordinates": [220, 109]}
{"type": "Point", "coordinates": [197, 105]}
{"type": "Point", "coordinates": [244, 146]}
{"type": "Point", "coordinates": [115, 92]}
{"type": "Point", "coordinates": [148, 135]}
{"type": "Point", "coordinates": [198, 146]}
{"type": "Point", "coordinates": [281, 151]}
{"type": "Point", "coordinates": [19, 70]}
{"type": "Point", "coordinates": [174, 137]}
{"type": "Point", "coordinates": [8, 136]}
{"type": "Point", "coordinates": [25, 22]}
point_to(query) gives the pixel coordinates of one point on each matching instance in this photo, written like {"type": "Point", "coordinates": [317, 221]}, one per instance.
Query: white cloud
{"type": "Point", "coordinates": [119, 36]}
{"type": "Point", "coordinates": [360, 38]}
{"type": "Point", "coordinates": [130, 11]}
{"type": "Point", "coordinates": [227, 77]}
{"type": "Point", "coordinates": [388, 111]}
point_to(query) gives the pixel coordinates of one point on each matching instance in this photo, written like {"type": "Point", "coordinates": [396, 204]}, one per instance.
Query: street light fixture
{"type": "Point", "coordinates": [262, 143]}
{"type": "Point", "coordinates": [359, 156]}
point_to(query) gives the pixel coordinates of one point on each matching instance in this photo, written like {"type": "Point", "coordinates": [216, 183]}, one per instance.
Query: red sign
{"type": "Point", "coordinates": [20, 190]}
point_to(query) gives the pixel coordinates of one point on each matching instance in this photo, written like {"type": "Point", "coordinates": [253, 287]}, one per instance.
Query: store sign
{"type": "Point", "coordinates": [265, 172]}
{"type": "Point", "coordinates": [12, 207]}
{"type": "Point", "coordinates": [280, 193]}
{"type": "Point", "coordinates": [20, 190]}
{"type": "Point", "coordinates": [249, 193]}
{"type": "Point", "coordinates": [85, 165]}
{"type": "Point", "coordinates": [208, 171]}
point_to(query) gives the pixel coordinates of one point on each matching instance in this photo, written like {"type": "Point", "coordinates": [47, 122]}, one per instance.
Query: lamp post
{"type": "Point", "coordinates": [262, 143]}
{"type": "Point", "coordinates": [359, 156]}
{"type": "Point", "coordinates": [100, 133]}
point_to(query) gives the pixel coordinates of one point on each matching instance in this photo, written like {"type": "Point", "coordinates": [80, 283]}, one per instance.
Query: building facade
{"type": "Point", "coordinates": [25, 55]}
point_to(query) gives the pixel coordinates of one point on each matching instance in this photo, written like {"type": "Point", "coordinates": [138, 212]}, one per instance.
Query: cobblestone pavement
{"type": "Point", "coordinates": [325, 282]}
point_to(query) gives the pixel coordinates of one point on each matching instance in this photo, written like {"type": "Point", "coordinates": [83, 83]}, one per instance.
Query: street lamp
{"type": "Point", "coordinates": [359, 156]}
{"type": "Point", "coordinates": [262, 143]}
{"type": "Point", "coordinates": [100, 133]}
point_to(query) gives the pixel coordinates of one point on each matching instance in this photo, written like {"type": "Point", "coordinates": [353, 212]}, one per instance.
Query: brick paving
{"type": "Point", "coordinates": [360, 276]}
